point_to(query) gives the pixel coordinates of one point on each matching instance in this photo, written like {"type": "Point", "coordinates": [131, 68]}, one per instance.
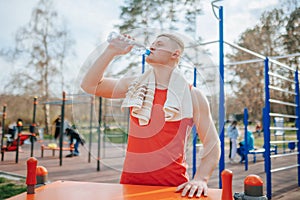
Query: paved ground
{"type": "Point", "coordinates": [79, 169]}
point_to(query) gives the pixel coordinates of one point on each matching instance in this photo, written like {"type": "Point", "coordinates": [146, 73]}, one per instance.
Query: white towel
{"type": "Point", "coordinates": [140, 97]}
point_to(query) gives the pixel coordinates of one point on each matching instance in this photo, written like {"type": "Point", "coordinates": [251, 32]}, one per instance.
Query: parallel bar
{"type": "Point", "coordinates": [283, 128]}
{"type": "Point", "coordinates": [243, 62]}
{"type": "Point", "coordinates": [283, 115]}
{"type": "Point", "coordinates": [281, 90]}
{"type": "Point", "coordinates": [283, 141]}
{"type": "Point", "coordinates": [284, 168]}
{"type": "Point", "coordinates": [281, 64]}
{"type": "Point", "coordinates": [286, 56]}
{"type": "Point", "coordinates": [284, 155]}
{"type": "Point", "coordinates": [281, 77]}
{"type": "Point", "coordinates": [246, 50]}
{"type": "Point", "coordinates": [282, 102]}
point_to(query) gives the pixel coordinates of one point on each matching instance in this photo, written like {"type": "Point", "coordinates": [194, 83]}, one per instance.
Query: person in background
{"type": "Point", "coordinates": [258, 129]}
{"type": "Point", "coordinates": [233, 135]}
{"type": "Point", "coordinates": [20, 125]}
{"type": "Point", "coordinates": [75, 138]}
{"type": "Point", "coordinates": [250, 145]}
{"type": "Point", "coordinates": [57, 123]}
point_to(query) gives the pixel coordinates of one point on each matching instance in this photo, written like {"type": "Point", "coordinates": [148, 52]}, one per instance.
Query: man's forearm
{"type": "Point", "coordinates": [96, 72]}
{"type": "Point", "coordinates": [208, 162]}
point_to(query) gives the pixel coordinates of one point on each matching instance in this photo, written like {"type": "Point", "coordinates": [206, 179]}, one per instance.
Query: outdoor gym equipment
{"type": "Point", "coordinates": [14, 145]}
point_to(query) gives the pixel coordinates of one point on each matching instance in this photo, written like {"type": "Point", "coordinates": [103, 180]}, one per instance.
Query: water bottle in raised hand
{"type": "Point", "coordinates": [123, 42]}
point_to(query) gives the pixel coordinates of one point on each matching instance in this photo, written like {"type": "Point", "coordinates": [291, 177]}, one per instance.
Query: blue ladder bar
{"type": "Point", "coordinates": [267, 131]}
{"type": "Point", "coordinates": [143, 63]}
{"type": "Point", "coordinates": [246, 138]}
{"type": "Point", "coordinates": [221, 97]}
{"type": "Point", "coordinates": [195, 137]}
{"type": "Point", "coordinates": [297, 122]}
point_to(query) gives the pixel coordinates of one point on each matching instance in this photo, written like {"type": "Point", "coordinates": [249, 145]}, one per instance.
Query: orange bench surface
{"type": "Point", "coordinates": [62, 190]}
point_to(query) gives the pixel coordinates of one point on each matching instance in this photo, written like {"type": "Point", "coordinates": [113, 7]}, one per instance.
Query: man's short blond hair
{"type": "Point", "coordinates": [174, 38]}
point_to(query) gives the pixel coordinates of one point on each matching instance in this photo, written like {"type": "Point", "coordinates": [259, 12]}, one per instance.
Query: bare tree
{"type": "Point", "coordinates": [42, 45]}
{"type": "Point", "coordinates": [276, 34]}
{"type": "Point", "coordinates": [247, 80]}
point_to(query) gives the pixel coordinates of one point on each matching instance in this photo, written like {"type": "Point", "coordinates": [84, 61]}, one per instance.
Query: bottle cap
{"type": "Point", "coordinates": [147, 53]}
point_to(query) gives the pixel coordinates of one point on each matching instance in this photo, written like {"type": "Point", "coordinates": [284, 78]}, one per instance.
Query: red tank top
{"type": "Point", "coordinates": [155, 152]}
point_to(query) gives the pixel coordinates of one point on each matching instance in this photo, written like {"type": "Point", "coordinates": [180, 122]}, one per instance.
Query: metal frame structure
{"type": "Point", "coordinates": [63, 102]}
{"type": "Point", "coordinates": [267, 119]}
{"type": "Point", "coordinates": [31, 130]}
{"type": "Point", "coordinates": [266, 111]}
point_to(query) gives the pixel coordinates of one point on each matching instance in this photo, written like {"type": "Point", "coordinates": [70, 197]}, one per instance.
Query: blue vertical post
{"type": "Point", "coordinates": [99, 133]}
{"type": "Point", "coordinates": [143, 63]}
{"type": "Point", "coordinates": [267, 131]}
{"type": "Point", "coordinates": [246, 137]}
{"type": "Point", "coordinates": [194, 132]}
{"type": "Point", "coordinates": [297, 122]}
{"type": "Point", "coordinates": [221, 98]}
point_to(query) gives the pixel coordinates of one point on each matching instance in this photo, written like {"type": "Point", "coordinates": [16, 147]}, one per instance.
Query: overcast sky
{"type": "Point", "coordinates": [91, 20]}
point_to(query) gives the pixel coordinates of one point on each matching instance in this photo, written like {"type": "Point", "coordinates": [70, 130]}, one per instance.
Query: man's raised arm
{"type": "Point", "coordinates": [94, 81]}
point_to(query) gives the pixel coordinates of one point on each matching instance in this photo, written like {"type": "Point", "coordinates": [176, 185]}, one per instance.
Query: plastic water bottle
{"type": "Point", "coordinates": [122, 42]}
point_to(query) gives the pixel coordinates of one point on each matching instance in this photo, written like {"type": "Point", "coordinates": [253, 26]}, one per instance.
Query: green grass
{"type": "Point", "coordinates": [9, 188]}
{"type": "Point", "coordinates": [115, 135]}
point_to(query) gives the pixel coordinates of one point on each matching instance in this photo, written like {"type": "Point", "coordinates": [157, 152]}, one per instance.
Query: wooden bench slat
{"type": "Point", "coordinates": [43, 147]}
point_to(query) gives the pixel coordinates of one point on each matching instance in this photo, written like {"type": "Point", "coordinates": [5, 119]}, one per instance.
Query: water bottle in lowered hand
{"type": "Point", "coordinates": [123, 42]}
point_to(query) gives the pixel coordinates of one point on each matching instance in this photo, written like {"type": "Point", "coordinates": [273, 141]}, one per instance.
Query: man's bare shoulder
{"type": "Point", "coordinates": [199, 100]}
{"type": "Point", "coordinates": [197, 94]}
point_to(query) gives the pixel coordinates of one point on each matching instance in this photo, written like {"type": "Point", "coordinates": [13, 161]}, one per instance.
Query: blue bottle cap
{"type": "Point", "coordinates": [147, 53]}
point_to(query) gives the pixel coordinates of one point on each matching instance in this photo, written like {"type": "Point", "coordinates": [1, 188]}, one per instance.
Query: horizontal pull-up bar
{"type": "Point", "coordinates": [284, 155]}
{"type": "Point", "coordinates": [271, 59]}
{"type": "Point", "coordinates": [283, 128]}
{"type": "Point", "coordinates": [284, 168]}
{"type": "Point", "coordinates": [281, 90]}
{"type": "Point", "coordinates": [283, 141]}
{"type": "Point", "coordinates": [282, 102]}
{"type": "Point", "coordinates": [281, 77]}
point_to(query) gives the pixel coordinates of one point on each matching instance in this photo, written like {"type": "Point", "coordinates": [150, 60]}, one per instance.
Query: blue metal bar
{"type": "Point", "coordinates": [297, 121]}
{"type": "Point", "coordinates": [194, 132]}
{"type": "Point", "coordinates": [99, 133]}
{"type": "Point", "coordinates": [221, 97]}
{"type": "Point", "coordinates": [143, 63]}
{"type": "Point", "coordinates": [267, 131]}
{"type": "Point", "coordinates": [246, 138]}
